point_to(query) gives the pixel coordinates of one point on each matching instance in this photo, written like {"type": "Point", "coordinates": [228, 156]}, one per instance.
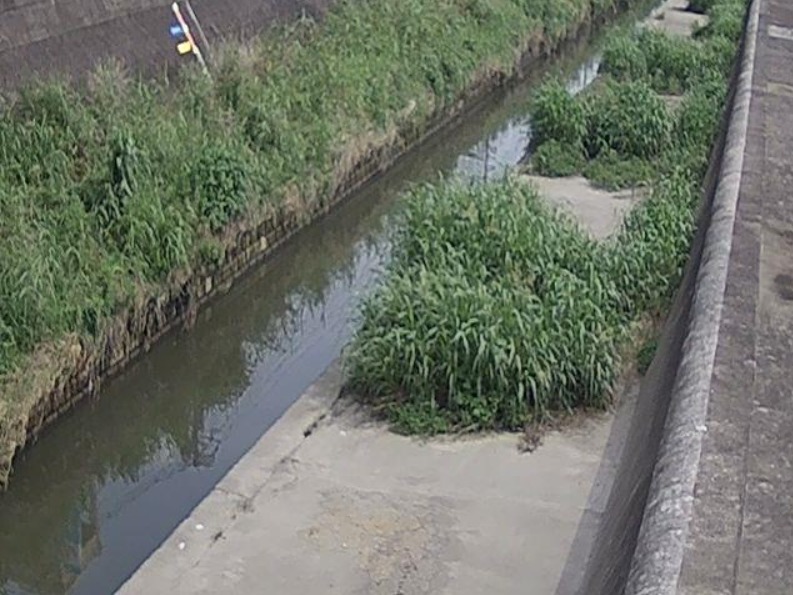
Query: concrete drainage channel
{"type": "Point", "coordinates": [372, 512]}
{"type": "Point", "coordinates": [591, 511]}
{"type": "Point", "coordinates": [474, 515]}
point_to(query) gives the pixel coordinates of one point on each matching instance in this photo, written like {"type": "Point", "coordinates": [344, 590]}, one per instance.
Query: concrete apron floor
{"type": "Point", "coordinates": [333, 503]}
{"type": "Point", "coordinates": [599, 212]}
{"type": "Point", "coordinates": [673, 17]}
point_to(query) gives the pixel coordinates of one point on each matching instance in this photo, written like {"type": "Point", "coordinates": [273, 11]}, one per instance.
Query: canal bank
{"type": "Point", "coordinates": [218, 565]}
{"type": "Point", "coordinates": [330, 502]}
{"type": "Point", "coordinates": [67, 368]}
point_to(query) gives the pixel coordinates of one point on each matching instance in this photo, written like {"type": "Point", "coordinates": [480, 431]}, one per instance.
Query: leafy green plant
{"type": "Point", "coordinates": [220, 183]}
{"type": "Point", "coordinates": [556, 115]}
{"type": "Point", "coordinates": [489, 316]}
{"type": "Point", "coordinates": [629, 119]}
{"type": "Point", "coordinates": [623, 58]}
{"type": "Point", "coordinates": [612, 172]}
{"type": "Point", "coordinates": [669, 64]}
{"type": "Point", "coordinates": [699, 115]}
{"type": "Point", "coordinates": [555, 159]}
{"type": "Point", "coordinates": [725, 19]}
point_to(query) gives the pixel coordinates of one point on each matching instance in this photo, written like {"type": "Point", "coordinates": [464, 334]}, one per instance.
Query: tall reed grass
{"type": "Point", "coordinates": [496, 309]}
{"type": "Point", "coordinates": [109, 192]}
{"type": "Point", "coordinates": [622, 134]}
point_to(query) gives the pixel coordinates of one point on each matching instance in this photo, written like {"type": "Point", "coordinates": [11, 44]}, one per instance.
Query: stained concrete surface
{"type": "Point", "coordinates": [673, 17]}
{"type": "Point", "coordinates": [338, 504]}
{"type": "Point", "coordinates": [598, 211]}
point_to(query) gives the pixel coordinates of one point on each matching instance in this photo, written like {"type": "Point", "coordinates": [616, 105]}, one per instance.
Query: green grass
{"type": "Point", "coordinates": [113, 195]}
{"type": "Point", "coordinates": [109, 193]}
{"type": "Point", "coordinates": [485, 285]}
{"type": "Point", "coordinates": [555, 159]}
{"type": "Point", "coordinates": [497, 310]}
{"type": "Point", "coordinates": [629, 136]}
{"type": "Point", "coordinates": [611, 172]}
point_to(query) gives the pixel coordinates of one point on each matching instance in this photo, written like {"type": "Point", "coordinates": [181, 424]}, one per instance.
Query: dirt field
{"type": "Point", "coordinates": [46, 39]}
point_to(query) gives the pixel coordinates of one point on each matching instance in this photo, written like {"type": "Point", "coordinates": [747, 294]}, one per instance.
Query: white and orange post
{"type": "Point", "coordinates": [189, 44]}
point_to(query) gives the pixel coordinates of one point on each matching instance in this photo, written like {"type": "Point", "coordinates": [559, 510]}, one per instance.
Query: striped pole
{"type": "Point", "coordinates": [194, 47]}
{"type": "Point", "coordinates": [200, 30]}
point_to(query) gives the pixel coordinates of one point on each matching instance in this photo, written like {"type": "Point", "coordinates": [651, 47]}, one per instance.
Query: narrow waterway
{"type": "Point", "coordinates": [109, 482]}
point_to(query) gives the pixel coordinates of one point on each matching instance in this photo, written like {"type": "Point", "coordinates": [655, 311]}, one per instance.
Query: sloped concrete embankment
{"type": "Point", "coordinates": [40, 39]}
{"type": "Point", "coordinates": [636, 542]}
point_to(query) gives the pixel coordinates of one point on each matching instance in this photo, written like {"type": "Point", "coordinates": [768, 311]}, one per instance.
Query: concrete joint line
{"type": "Point", "coordinates": [658, 558]}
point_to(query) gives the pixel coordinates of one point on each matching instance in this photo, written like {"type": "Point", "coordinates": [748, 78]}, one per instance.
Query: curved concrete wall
{"type": "Point", "coordinates": [43, 39]}
{"type": "Point", "coordinates": [661, 544]}
{"type": "Point", "coordinates": [636, 540]}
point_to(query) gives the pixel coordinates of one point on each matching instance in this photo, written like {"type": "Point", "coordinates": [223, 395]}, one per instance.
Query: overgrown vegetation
{"type": "Point", "coordinates": [496, 309]}
{"type": "Point", "coordinates": [105, 193]}
{"type": "Point", "coordinates": [486, 283]}
{"type": "Point", "coordinates": [555, 159]}
{"type": "Point", "coordinates": [623, 131]}
{"type": "Point", "coordinates": [113, 194]}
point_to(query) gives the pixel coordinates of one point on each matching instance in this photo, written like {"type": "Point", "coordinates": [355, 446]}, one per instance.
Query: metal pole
{"type": "Point", "coordinates": [200, 30]}
{"type": "Point", "coordinates": [183, 24]}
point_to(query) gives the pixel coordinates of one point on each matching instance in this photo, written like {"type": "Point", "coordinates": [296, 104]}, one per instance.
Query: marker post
{"type": "Point", "coordinates": [189, 44]}
{"type": "Point", "coordinates": [200, 30]}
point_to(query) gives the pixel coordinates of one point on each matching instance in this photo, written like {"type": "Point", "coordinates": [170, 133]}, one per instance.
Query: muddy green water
{"type": "Point", "coordinates": [105, 486]}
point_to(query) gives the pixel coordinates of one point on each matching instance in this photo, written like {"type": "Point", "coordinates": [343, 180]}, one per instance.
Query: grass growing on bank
{"type": "Point", "coordinates": [495, 309]}
{"type": "Point", "coordinates": [623, 134]}
{"type": "Point", "coordinates": [114, 195]}
{"type": "Point", "coordinates": [111, 193]}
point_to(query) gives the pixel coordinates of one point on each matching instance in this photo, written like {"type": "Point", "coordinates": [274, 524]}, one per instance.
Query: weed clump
{"type": "Point", "coordinates": [495, 309]}
{"type": "Point", "coordinates": [555, 159]}
{"type": "Point", "coordinates": [493, 306]}
{"type": "Point", "coordinates": [612, 172]}
{"type": "Point", "coordinates": [628, 119]}
{"type": "Point", "coordinates": [556, 115]}
{"type": "Point", "coordinates": [725, 19]}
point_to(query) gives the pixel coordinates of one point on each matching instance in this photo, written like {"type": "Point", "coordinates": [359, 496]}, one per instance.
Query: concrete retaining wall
{"type": "Point", "coordinates": [660, 548]}
{"type": "Point", "coordinates": [640, 538]}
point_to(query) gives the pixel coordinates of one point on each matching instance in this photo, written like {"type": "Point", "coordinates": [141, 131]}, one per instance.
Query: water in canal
{"type": "Point", "coordinates": [105, 486]}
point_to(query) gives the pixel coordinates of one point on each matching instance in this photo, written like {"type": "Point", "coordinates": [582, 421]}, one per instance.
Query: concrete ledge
{"type": "Point", "coordinates": [660, 548]}
{"type": "Point", "coordinates": [235, 493]}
